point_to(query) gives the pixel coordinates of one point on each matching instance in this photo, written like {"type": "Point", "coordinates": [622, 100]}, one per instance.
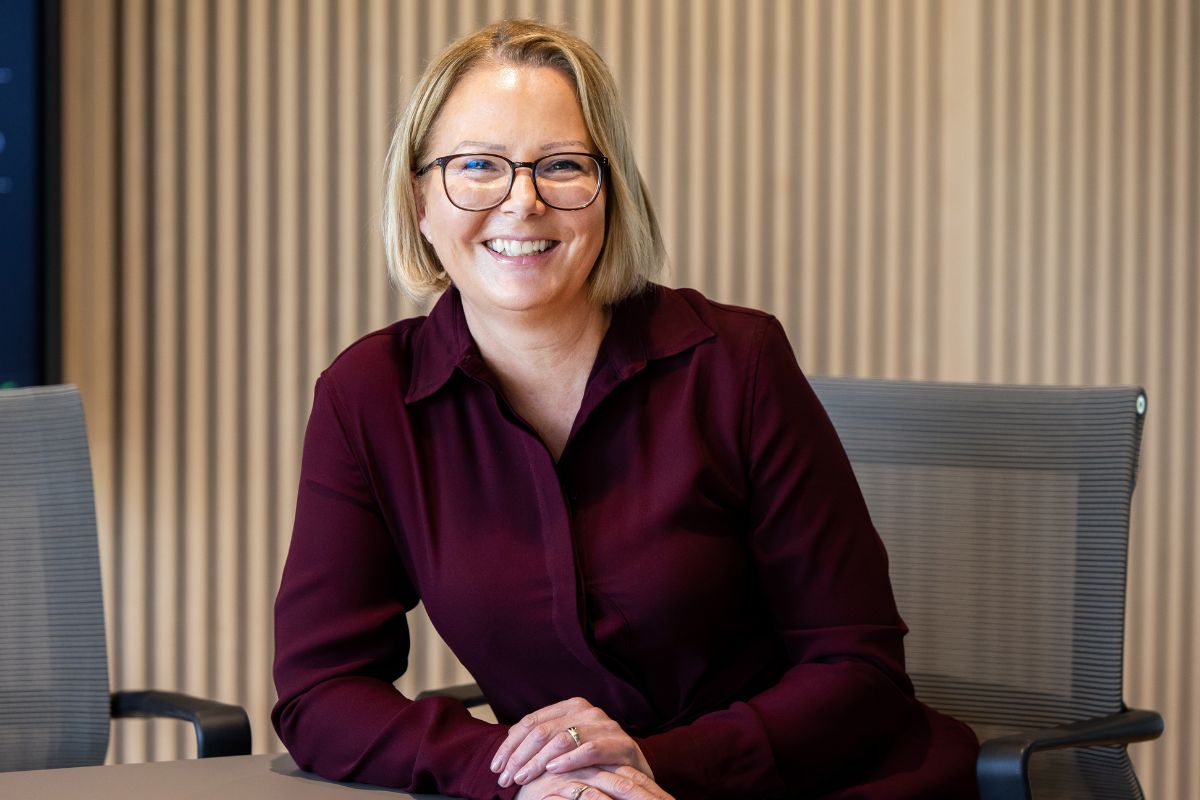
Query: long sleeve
{"type": "Point", "coordinates": [823, 572]}
{"type": "Point", "coordinates": [341, 640]}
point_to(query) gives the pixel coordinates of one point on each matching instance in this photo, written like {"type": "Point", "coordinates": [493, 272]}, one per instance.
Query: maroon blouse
{"type": "Point", "coordinates": [699, 563]}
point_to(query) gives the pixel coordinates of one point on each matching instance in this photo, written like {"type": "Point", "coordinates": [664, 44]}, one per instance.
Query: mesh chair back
{"type": "Point", "coordinates": [1005, 511]}
{"type": "Point", "coordinates": [54, 706]}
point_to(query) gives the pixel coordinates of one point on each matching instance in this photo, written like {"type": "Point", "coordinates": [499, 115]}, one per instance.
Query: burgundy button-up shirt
{"type": "Point", "coordinates": [699, 563]}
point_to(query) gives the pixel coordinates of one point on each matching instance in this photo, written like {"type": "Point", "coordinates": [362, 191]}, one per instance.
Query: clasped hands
{"type": "Point", "coordinates": [543, 757]}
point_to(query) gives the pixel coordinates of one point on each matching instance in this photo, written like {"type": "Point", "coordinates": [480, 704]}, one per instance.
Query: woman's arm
{"type": "Point", "coordinates": [341, 641]}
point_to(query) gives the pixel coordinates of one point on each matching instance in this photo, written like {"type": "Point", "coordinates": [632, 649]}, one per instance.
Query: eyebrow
{"type": "Point", "coordinates": [571, 142]}
{"type": "Point", "coordinates": [492, 146]}
{"type": "Point", "coordinates": [484, 145]}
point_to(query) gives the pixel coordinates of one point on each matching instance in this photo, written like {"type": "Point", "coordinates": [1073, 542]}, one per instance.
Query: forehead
{"type": "Point", "coordinates": [511, 107]}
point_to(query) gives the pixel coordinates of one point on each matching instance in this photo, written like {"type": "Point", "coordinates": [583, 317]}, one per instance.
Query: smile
{"type": "Point", "coordinates": [515, 247]}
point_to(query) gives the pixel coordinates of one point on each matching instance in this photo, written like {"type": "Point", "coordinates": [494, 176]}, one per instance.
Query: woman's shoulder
{"type": "Point", "coordinates": [708, 308]}
{"type": "Point", "coordinates": [732, 326]}
{"type": "Point", "coordinates": [380, 345]}
{"type": "Point", "coordinates": [381, 359]}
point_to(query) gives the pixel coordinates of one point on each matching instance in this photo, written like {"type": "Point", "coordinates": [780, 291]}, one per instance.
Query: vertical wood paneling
{"type": "Point", "coordinates": [225, 595]}
{"type": "Point", "coordinates": [804, 241]}
{"type": "Point", "coordinates": [961, 250]}
{"type": "Point", "coordinates": [783, 153]}
{"type": "Point", "coordinates": [257, 407]}
{"type": "Point", "coordinates": [127, 529]}
{"type": "Point", "coordinates": [1001, 190]}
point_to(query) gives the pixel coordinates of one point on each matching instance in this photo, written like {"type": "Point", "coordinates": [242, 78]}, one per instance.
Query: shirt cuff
{"type": "Point", "coordinates": [480, 781]}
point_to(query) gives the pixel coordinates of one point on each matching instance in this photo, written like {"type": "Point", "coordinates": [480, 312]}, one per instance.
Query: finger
{"type": "Point", "coordinates": [550, 738]}
{"type": "Point", "coordinates": [604, 750]}
{"type": "Point", "coordinates": [518, 732]}
{"type": "Point", "coordinates": [543, 744]}
{"type": "Point", "coordinates": [579, 790]}
{"type": "Point", "coordinates": [627, 783]}
{"type": "Point", "coordinates": [566, 787]}
{"type": "Point", "coordinates": [594, 753]}
{"type": "Point", "coordinates": [592, 793]}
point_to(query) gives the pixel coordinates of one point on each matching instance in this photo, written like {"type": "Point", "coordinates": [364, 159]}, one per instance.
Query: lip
{"type": "Point", "coordinates": [522, 260]}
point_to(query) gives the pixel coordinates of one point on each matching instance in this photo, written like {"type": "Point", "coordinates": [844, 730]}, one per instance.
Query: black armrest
{"type": "Point", "coordinates": [1003, 765]}
{"type": "Point", "coordinates": [468, 694]}
{"type": "Point", "coordinates": [221, 729]}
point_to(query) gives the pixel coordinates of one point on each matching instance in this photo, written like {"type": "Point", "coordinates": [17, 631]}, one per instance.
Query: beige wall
{"type": "Point", "coordinates": [1000, 190]}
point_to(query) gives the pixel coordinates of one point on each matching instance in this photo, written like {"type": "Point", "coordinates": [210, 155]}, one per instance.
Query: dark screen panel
{"type": "Point", "coordinates": [23, 138]}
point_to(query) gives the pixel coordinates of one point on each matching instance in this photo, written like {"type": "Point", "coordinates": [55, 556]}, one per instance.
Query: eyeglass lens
{"type": "Point", "coordinates": [564, 181]}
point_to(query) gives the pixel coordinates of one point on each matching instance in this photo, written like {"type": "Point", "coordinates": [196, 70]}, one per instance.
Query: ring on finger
{"type": "Point", "coordinates": [576, 791]}
{"type": "Point", "coordinates": [573, 732]}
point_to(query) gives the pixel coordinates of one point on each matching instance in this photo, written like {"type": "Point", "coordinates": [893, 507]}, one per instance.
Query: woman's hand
{"type": "Point", "coordinates": [594, 783]}
{"type": "Point", "coordinates": [542, 742]}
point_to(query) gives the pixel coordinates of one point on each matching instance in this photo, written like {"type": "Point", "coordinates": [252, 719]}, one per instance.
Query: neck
{"type": "Point", "coordinates": [522, 344]}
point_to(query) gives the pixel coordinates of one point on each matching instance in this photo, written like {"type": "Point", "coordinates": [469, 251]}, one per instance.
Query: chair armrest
{"type": "Point", "coordinates": [468, 694]}
{"type": "Point", "coordinates": [1003, 765]}
{"type": "Point", "coordinates": [221, 729]}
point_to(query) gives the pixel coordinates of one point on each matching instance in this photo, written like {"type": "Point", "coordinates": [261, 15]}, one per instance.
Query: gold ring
{"type": "Point", "coordinates": [574, 733]}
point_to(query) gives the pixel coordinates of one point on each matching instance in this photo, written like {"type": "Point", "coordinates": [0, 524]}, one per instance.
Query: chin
{"type": "Point", "coordinates": [520, 301]}
{"type": "Point", "coordinates": [515, 294]}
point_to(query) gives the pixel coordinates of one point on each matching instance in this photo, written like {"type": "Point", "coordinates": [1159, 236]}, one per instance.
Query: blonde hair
{"type": "Point", "coordinates": [633, 250]}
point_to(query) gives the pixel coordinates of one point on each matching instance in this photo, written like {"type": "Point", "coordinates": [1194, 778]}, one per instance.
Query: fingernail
{"type": "Point", "coordinates": [555, 764]}
{"type": "Point", "coordinates": [497, 762]}
{"type": "Point", "coordinates": [504, 781]}
{"type": "Point", "coordinates": [522, 775]}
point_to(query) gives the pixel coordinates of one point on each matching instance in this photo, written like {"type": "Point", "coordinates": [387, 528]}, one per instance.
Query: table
{"type": "Point", "coordinates": [262, 777]}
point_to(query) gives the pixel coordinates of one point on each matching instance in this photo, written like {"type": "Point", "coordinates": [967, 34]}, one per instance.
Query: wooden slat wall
{"type": "Point", "coordinates": [1000, 190]}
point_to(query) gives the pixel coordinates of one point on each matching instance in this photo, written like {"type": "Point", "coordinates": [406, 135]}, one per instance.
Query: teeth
{"type": "Point", "coordinates": [512, 247]}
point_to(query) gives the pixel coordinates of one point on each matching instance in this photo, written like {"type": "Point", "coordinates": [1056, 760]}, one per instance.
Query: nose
{"type": "Point", "coordinates": [523, 197]}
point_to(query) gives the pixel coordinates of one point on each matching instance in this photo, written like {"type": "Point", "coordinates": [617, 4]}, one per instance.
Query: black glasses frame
{"type": "Point", "coordinates": [512, 177]}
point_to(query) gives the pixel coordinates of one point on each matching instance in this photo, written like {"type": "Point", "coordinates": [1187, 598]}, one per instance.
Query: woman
{"type": "Point", "coordinates": [622, 505]}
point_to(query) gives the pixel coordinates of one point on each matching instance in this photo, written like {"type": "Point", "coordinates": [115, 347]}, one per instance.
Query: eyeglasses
{"type": "Point", "coordinates": [479, 181]}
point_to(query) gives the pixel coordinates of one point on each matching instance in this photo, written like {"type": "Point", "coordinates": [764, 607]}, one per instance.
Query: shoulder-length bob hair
{"type": "Point", "coordinates": [633, 251]}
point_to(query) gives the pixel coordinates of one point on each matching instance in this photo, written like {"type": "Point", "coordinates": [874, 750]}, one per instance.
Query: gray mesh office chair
{"type": "Point", "coordinates": [54, 700]}
{"type": "Point", "coordinates": [1005, 511]}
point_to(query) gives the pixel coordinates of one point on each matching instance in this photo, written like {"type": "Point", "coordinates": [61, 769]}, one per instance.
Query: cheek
{"type": "Point", "coordinates": [598, 227]}
{"type": "Point", "coordinates": [437, 226]}
{"type": "Point", "coordinates": [601, 216]}
{"type": "Point", "coordinates": [449, 230]}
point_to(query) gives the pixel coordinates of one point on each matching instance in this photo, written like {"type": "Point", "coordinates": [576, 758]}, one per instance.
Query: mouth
{"type": "Point", "coordinates": [520, 247]}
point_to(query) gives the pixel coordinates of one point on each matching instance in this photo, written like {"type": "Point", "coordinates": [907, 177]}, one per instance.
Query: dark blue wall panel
{"type": "Point", "coordinates": [22, 138]}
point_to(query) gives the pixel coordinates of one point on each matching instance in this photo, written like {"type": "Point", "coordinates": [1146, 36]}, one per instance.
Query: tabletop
{"type": "Point", "coordinates": [262, 777]}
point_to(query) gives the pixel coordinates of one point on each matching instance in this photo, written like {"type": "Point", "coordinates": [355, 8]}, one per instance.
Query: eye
{"type": "Point", "coordinates": [561, 168]}
{"type": "Point", "coordinates": [477, 164]}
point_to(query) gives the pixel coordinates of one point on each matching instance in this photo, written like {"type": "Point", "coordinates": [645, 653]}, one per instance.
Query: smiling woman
{"type": "Point", "coordinates": [633, 252]}
{"type": "Point", "coordinates": [621, 505]}
{"type": "Point", "coordinates": [488, 249]}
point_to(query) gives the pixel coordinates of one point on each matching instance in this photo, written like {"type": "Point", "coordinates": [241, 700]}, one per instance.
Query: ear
{"type": "Point", "coordinates": [422, 220]}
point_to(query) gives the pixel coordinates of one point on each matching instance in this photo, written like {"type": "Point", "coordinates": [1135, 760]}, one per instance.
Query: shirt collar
{"type": "Point", "coordinates": [656, 323]}
{"type": "Point", "coordinates": [441, 344]}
